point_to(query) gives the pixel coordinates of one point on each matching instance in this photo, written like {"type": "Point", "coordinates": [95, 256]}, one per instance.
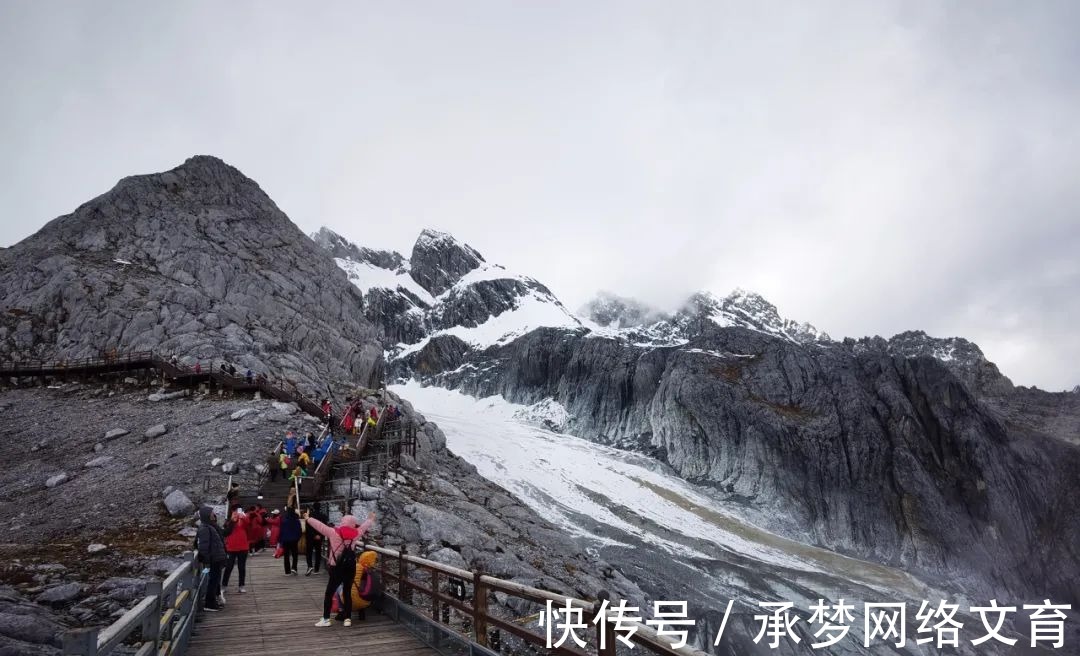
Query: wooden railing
{"type": "Point", "coordinates": [485, 626]}
{"type": "Point", "coordinates": [37, 367]}
{"type": "Point", "coordinates": [164, 618]}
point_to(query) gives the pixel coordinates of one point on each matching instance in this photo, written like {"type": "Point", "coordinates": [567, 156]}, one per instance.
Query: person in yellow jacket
{"type": "Point", "coordinates": [303, 460]}
{"type": "Point", "coordinates": [366, 561]}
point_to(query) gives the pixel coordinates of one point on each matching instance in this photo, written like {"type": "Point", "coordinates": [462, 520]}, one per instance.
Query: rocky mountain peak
{"type": "Point", "coordinates": [439, 260]}
{"type": "Point", "coordinates": [196, 261]}
{"type": "Point", "coordinates": [745, 309]}
{"type": "Point", "coordinates": [963, 357]}
{"type": "Point", "coordinates": [341, 248]}
{"type": "Point", "coordinates": [335, 244]}
{"type": "Point", "coordinates": [914, 343]}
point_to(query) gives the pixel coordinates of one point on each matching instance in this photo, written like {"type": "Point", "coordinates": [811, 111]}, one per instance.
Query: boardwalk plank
{"type": "Point", "coordinates": [279, 612]}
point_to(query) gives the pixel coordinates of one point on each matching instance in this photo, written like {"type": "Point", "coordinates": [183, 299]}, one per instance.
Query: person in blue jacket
{"type": "Point", "coordinates": [289, 538]}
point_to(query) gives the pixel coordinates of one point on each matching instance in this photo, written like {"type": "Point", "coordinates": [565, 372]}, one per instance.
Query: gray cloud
{"type": "Point", "coordinates": [867, 166]}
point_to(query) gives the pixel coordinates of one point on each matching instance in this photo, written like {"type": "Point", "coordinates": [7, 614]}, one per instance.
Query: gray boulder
{"type": "Point", "coordinates": [29, 626]}
{"type": "Point", "coordinates": [115, 433]}
{"type": "Point", "coordinates": [448, 556]}
{"type": "Point", "coordinates": [284, 408]}
{"type": "Point", "coordinates": [369, 492]}
{"type": "Point", "coordinates": [60, 594]}
{"type": "Point", "coordinates": [155, 431]}
{"type": "Point", "coordinates": [167, 396]}
{"type": "Point", "coordinates": [58, 479]}
{"type": "Point", "coordinates": [100, 461]}
{"type": "Point", "coordinates": [443, 528]}
{"type": "Point", "coordinates": [178, 504]}
{"type": "Point", "coordinates": [243, 412]}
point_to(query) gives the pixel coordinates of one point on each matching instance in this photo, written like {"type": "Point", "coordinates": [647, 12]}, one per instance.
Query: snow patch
{"type": "Point", "coordinates": [532, 311]}
{"type": "Point", "coordinates": [366, 276]}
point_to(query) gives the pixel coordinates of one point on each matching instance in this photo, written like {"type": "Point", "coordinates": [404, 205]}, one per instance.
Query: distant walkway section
{"type": "Point", "coordinates": [170, 369]}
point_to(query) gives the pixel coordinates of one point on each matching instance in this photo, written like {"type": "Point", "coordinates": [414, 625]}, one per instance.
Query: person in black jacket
{"type": "Point", "coordinates": [211, 547]}
{"type": "Point", "coordinates": [289, 539]}
{"type": "Point", "coordinates": [313, 541]}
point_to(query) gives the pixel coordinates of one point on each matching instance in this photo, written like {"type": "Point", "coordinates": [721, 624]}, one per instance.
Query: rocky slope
{"type": "Point", "coordinates": [196, 261]}
{"type": "Point", "coordinates": [73, 487]}
{"type": "Point", "coordinates": [96, 473]}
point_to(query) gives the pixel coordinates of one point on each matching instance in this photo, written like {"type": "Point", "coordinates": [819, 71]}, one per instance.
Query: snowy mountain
{"type": "Point", "coordinates": [444, 289]}
{"type": "Point", "coordinates": [619, 318]}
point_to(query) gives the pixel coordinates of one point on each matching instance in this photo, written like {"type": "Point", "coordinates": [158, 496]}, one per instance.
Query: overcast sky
{"type": "Point", "coordinates": [869, 167]}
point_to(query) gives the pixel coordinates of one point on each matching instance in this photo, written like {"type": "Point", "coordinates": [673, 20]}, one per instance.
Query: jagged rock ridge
{"type": "Point", "coordinates": [704, 311]}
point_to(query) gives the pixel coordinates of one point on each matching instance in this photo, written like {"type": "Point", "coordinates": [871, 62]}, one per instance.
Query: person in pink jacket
{"type": "Point", "coordinates": [344, 537]}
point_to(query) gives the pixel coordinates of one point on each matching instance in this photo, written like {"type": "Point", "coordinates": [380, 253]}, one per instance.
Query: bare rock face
{"type": "Point", "coordinates": [438, 261]}
{"type": "Point", "coordinates": [963, 358]}
{"type": "Point", "coordinates": [197, 262]}
{"type": "Point", "coordinates": [892, 458]}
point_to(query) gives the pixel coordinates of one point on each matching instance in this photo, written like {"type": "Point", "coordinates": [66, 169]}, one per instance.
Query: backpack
{"type": "Point", "coordinates": [347, 557]}
{"type": "Point", "coordinates": [370, 585]}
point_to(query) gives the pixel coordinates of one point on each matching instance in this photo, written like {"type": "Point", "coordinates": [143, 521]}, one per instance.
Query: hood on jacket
{"type": "Point", "coordinates": [348, 533]}
{"type": "Point", "coordinates": [205, 513]}
{"type": "Point", "coordinates": [367, 560]}
{"type": "Point", "coordinates": [350, 521]}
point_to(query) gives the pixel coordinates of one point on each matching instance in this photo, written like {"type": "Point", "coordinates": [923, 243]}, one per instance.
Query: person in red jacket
{"type": "Point", "coordinates": [236, 546]}
{"type": "Point", "coordinates": [256, 530]}
{"type": "Point", "coordinates": [274, 522]}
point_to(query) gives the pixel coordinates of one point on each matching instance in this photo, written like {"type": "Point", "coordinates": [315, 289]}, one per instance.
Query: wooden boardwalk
{"type": "Point", "coordinates": [278, 614]}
